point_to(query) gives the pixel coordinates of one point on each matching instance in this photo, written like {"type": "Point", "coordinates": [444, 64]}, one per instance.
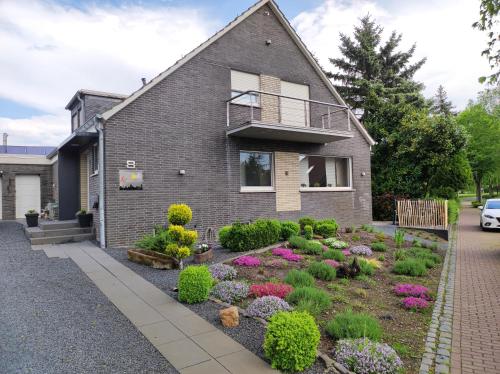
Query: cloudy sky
{"type": "Point", "coordinates": [51, 48]}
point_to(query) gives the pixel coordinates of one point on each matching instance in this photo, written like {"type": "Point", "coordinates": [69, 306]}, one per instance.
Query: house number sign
{"type": "Point", "coordinates": [130, 164]}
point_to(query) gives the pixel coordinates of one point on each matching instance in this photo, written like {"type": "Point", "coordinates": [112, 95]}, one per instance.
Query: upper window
{"type": "Point", "coordinates": [94, 159]}
{"type": "Point", "coordinates": [325, 172]}
{"type": "Point", "coordinates": [241, 82]}
{"type": "Point", "coordinates": [256, 171]}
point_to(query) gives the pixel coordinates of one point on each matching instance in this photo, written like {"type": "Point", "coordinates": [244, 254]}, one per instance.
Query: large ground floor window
{"type": "Point", "coordinates": [256, 171]}
{"type": "Point", "coordinates": [325, 172]}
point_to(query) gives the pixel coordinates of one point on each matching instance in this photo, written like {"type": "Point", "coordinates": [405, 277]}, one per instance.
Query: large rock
{"type": "Point", "coordinates": [229, 317]}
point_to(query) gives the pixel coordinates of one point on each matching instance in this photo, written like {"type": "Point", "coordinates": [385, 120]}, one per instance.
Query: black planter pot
{"type": "Point", "coordinates": [84, 219]}
{"type": "Point", "coordinates": [31, 219]}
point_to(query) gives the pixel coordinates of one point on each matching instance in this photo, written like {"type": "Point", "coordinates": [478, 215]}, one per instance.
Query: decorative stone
{"type": "Point", "coordinates": [229, 317]}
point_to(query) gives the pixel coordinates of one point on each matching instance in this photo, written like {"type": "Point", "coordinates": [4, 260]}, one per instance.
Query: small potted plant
{"type": "Point", "coordinates": [203, 253]}
{"type": "Point", "coordinates": [84, 218]}
{"type": "Point", "coordinates": [32, 218]}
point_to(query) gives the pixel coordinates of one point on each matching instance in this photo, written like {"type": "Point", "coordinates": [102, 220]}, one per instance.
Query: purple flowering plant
{"type": "Point", "coordinates": [222, 272]}
{"type": "Point", "coordinates": [230, 291]}
{"type": "Point", "coordinates": [332, 263]}
{"type": "Point", "coordinates": [414, 303]}
{"type": "Point", "coordinates": [247, 261]}
{"type": "Point", "coordinates": [282, 251]}
{"type": "Point", "coordinates": [415, 290]}
{"type": "Point", "coordinates": [364, 356]}
{"type": "Point", "coordinates": [346, 252]}
{"type": "Point", "coordinates": [276, 263]}
{"type": "Point", "coordinates": [266, 306]}
{"type": "Point", "coordinates": [361, 250]}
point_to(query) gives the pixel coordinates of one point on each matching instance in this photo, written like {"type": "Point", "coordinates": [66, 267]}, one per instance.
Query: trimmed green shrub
{"type": "Point", "coordinates": [291, 341]}
{"type": "Point", "coordinates": [243, 237]}
{"type": "Point", "coordinates": [179, 214]}
{"type": "Point", "coordinates": [310, 299]}
{"type": "Point", "coordinates": [350, 325]}
{"type": "Point", "coordinates": [299, 278]}
{"type": "Point", "coordinates": [326, 230]}
{"type": "Point", "coordinates": [379, 247]}
{"type": "Point", "coordinates": [297, 241]}
{"type": "Point", "coordinates": [289, 228]}
{"type": "Point", "coordinates": [304, 221]}
{"type": "Point", "coordinates": [195, 283]}
{"type": "Point", "coordinates": [322, 271]}
{"type": "Point", "coordinates": [308, 232]}
{"type": "Point", "coordinates": [153, 242]}
{"type": "Point", "coordinates": [333, 254]}
{"type": "Point", "coordinates": [453, 210]}
{"type": "Point", "coordinates": [410, 266]}
{"type": "Point", "coordinates": [312, 248]}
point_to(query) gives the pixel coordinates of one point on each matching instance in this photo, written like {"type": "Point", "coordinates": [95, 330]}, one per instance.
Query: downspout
{"type": "Point", "coordinates": [102, 227]}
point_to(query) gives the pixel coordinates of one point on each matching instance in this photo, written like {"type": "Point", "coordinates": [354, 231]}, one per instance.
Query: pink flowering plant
{"type": "Point", "coordinates": [346, 252]}
{"type": "Point", "coordinates": [332, 263]}
{"type": "Point", "coordinates": [278, 263]}
{"type": "Point", "coordinates": [280, 290]}
{"type": "Point", "coordinates": [414, 303]}
{"type": "Point", "coordinates": [247, 261]}
{"type": "Point", "coordinates": [415, 290]}
{"type": "Point", "coordinates": [293, 257]}
{"type": "Point", "coordinates": [287, 254]}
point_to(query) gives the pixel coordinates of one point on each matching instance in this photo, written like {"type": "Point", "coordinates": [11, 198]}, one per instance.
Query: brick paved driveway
{"type": "Point", "coordinates": [476, 320]}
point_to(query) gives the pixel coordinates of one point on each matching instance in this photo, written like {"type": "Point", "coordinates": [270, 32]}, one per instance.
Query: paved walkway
{"type": "Point", "coordinates": [187, 341]}
{"type": "Point", "coordinates": [476, 320]}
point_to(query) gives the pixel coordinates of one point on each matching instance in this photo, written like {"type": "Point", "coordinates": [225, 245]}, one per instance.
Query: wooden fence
{"type": "Point", "coordinates": [430, 214]}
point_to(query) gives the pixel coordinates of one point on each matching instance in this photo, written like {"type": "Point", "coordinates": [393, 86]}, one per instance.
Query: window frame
{"type": "Point", "coordinates": [236, 92]}
{"type": "Point", "coordinates": [331, 189]}
{"type": "Point", "coordinates": [94, 159]}
{"type": "Point", "coordinates": [271, 188]}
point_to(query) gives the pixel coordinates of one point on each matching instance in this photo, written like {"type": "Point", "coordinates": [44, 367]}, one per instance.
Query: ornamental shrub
{"type": "Point", "coordinates": [366, 267]}
{"type": "Point", "coordinates": [249, 261]}
{"type": "Point", "coordinates": [350, 325]}
{"type": "Point", "coordinates": [363, 356]}
{"type": "Point", "coordinates": [222, 272]}
{"type": "Point", "coordinates": [266, 306]}
{"type": "Point", "coordinates": [291, 341]}
{"type": "Point", "coordinates": [177, 252]}
{"type": "Point", "coordinates": [299, 278]}
{"type": "Point", "coordinates": [415, 290]}
{"type": "Point", "coordinates": [326, 229]}
{"type": "Point", "coordinates": [194, 284]}
{"type": "Point", "coordinates": [333, 254]}
{"type": "Point", "coordinates": [334, 243]}
{"type": "Point", "coordinates": [313, 248]}
{"type": "Point", "coordinates": [310, 299]}
{"type": "Point", "coordinates": [179, 214]}
{"type": "Point", "coordinates": [361, 250]}
{"type": "Point", "coordinates": [189, 238]}
{"type": "Point", "coordinates": [154, 242]}
{"type": "Point", "coordinates": [322, 271]}
{"type": "Point", "coordinates": [379, 247]}
{"type": "Point", "coordinates": [244, 237]}
{"type": "Point", "coordinates": [176, 232]}
{"type": "Point", "coordinates": [410, 266]}
{"type": "Point", "coordinates": [414, 303]}
{"type": "Point", "coordinates": [308, 232]}
{"type": "Point", "coordinates": [296, 241]}
{"type": "Point", "coordinates": [271, 289]}
{"type": "Point", "coordinates": [306, 221]}
{"type": "Point", "coordinates": [289, 228]}
{"type": "Point", "coordinates": [230, 291]}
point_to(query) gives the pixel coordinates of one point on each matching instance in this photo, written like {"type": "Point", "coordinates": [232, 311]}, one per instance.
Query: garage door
{"type": "Point", "coordinates": [27, 194]}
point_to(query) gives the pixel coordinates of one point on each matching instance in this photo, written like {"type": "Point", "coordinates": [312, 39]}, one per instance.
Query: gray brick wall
{"type": "Point", "coordinates": [9, 185]}
{"type": "Point", "coordinates": [181, 123]}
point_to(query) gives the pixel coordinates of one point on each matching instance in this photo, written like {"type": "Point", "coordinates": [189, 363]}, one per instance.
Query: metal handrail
{"type": "Point", "coordinates": [287, 97]}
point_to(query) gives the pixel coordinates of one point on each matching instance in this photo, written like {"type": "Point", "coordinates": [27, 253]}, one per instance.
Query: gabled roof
{"type": "Point", "coordinates": [281, 17]}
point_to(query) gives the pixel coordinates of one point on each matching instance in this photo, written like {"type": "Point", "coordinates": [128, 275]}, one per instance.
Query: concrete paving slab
{"type": "Point", "coordinates": [183, 353]}
{"type": "Point", "coordinates": [217, 344]}
{"type": "Point", "coordinates": [161, 333]}
{"type": "Point", "coordinates": [173, 309]}
{"type": "Point", "coordinates": [208, 367]}
{"type": "Point", "coordinates": [245, 362]}
{"type": "Point", "coordinates": [192, 324]}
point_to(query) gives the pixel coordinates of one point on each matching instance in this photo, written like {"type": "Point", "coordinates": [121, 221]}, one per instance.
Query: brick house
{"type": "Point", "coordinates": [246, 125]}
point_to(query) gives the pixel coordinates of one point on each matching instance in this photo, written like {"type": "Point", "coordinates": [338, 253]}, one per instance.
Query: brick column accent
{"type": "Point", "coordinates": [270, 104]}
{"type": "Point", "coordinates": [287, 181]}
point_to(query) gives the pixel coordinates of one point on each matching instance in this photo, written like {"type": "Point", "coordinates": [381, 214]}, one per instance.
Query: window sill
{"type": "Point", "coordinates": [256, 189]}
{"type": "Point", "coordinates": [94, 174]}
{"type": "Point", "coordinates": [326, 189]}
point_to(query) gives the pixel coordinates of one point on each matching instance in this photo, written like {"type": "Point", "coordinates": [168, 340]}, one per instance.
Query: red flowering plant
{"type": "Point", "coordinates": [270, 289]}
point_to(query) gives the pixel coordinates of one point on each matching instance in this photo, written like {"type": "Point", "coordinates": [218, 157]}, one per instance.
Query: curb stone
{"type": "Point", "coordinates": [436, 358]}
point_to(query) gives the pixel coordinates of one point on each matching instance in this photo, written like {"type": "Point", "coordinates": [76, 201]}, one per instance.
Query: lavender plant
{"type": "Point", "coordinates": [361, 250]}
{"type": "Point", "coordinates": [223, 272]}
{"type": "Point", "coordinates": [266, 306]}
{"type": "Point", "coordinates": [230, 291]}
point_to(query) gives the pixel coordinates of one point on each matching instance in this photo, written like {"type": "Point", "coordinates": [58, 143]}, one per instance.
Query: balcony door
{"type": "Point", "coordinates": [294, 112]}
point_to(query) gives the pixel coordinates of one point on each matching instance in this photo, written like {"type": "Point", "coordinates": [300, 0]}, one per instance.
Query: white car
{"type": "Point", "coordinates": [490, 214]}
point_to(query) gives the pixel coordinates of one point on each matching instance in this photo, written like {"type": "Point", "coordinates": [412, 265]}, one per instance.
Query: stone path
{"type": "Point", "coordinates": [476, 319]}
{"type": "Point", "coordinates": [187, 341]}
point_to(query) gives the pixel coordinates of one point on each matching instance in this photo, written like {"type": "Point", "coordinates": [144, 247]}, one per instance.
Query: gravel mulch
{"type": "Point", "coordinates": [53, 319]}
{"type": "Point", "coordinates": [250, 333]}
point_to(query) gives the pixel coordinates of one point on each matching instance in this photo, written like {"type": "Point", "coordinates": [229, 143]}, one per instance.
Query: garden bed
{"type": "Point", "coordinates": [403, 329]}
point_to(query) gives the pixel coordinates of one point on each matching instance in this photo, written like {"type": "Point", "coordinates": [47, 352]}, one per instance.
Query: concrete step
{"type": "Point", "coordinates": [59, 232]}
{"type": "Point", "coordinates": [62, 239]}
{"type": "Point", "coordinates": [55, 225]}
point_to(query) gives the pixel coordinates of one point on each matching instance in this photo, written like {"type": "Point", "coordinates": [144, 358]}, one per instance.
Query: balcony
{"type": "Point", "coordinates": [264, 115]}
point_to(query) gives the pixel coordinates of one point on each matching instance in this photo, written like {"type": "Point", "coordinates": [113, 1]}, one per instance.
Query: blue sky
{"type": "Point", "coordinates": [51, 48]}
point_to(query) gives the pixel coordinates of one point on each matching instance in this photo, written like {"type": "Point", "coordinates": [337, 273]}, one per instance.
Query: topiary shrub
{"type": "Point", "coordinates": [244, 237]}
{"type": "Point", "coordinates": [410, 266]}
{"type": "Point", "coordinates": [299, 278]}
{"type": "Point", "coordinates": [350, 325]}
{"type": "Point", "coordinates": [230, 291]}
{"type": "Point", "coordinates": [312, 247]}
{"type": "Point", "coordinates": [308, 232]}
{"type": "Point", "coordinates": [310, 299]}
{"type": "Point", "coordinates": [363, 356]}
{"type": "Point", "coordinates": [267, 306]}
{"type": "Point", "coordinates": [291, 341]}
{"type": "Point", "coordinates": [306, 221]}
{"type": "Point", "coordinates": [194, 284]}
{"type": "Point", "coordinates": [296, 241]}
{"type": "Point", "coordinates": [179, 214]}
{"type": "Point", "coordinates": [379, 247]}
{"type": "Point", "coordinates": [289, 228]}
{"type": "Point", "coordinates": [334, 254]}
{"type": "Point", "coordinates": [326, 229]}
{"type": "Point", "coordinates": [322, 271]}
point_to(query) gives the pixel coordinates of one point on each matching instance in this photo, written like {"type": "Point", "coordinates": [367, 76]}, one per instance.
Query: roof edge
{"type": "Point", "coordinates": [84, 91]}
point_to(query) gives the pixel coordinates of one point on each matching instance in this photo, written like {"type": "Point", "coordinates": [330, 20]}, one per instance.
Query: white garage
{"type": "Point", "coordinates": [27, 194]}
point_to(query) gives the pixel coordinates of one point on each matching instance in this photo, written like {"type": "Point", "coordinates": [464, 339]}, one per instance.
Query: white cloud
{"type": "Point", "coordinates": [48, 51]}
{"type": "Point", "coordinates": [441, 29]}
